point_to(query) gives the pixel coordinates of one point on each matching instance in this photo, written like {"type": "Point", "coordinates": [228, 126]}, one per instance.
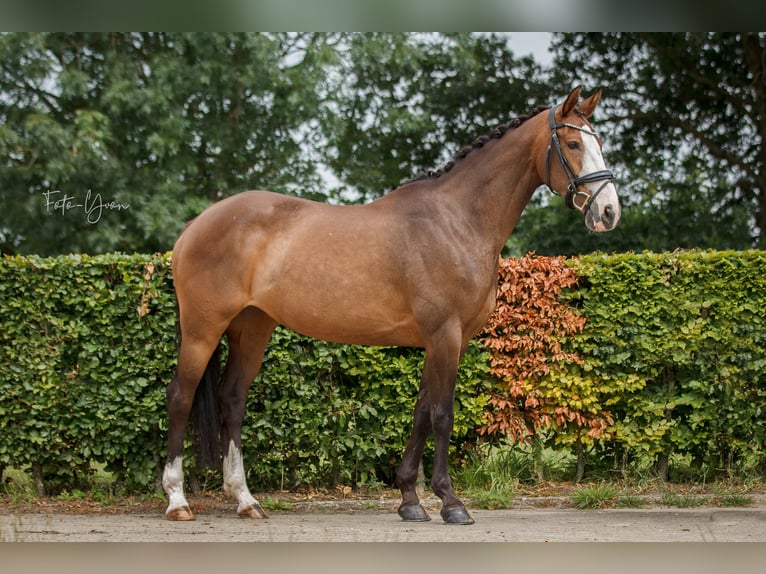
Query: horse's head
{"type": "Point", "coordinates": [574, 165]}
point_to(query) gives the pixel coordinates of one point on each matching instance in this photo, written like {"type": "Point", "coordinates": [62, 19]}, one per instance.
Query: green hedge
{"type": "Point", "coordinates": [88, 345]}
{"type": "Point", "coordinates": [673, 349]}
{"type": "Point", "coordinates": [676, 345]}
{"type": "Point", "coordinates": [83, 373]}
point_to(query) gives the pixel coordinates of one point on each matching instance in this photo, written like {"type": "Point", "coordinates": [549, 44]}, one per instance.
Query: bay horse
{"type": "Point", "coordinates": [417, 268]}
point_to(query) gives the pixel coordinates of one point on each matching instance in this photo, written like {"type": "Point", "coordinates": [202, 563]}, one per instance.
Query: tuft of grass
{"type": "Point", "coordinates": [498, 495]}
{"type": "Point", "coordinates": [270, 503]}
{"type": "Point", "coordinates": [18, 486]}
{"type": "Point", "coordinates": [489, 479]}
{"type": "Point", "coordinates": [669, 498]}
{"type": "Point", "coordinates": [595, 496]}
{"type": "Point", "coordinates": [74, 495]}
{"type": "Point", "coordinates": [734, 501]}
{"type": "Point", "coordinates": [630, 501]}
{"type": "Point", "coordinates": [489, 487]}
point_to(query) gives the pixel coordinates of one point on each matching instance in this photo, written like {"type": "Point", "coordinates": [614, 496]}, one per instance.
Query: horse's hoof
{"type": "Point", "coordinates": [413, 513]}
{"type": "Point", "coordinates": [253, 511]}
{"type": "Point", "coordinates": [180, 514]}
{"type": "Point", "coordinates": [456, 515]}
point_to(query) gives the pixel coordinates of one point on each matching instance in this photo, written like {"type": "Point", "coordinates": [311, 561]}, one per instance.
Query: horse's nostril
{"type": "Point", "coordinates": [609, 215]}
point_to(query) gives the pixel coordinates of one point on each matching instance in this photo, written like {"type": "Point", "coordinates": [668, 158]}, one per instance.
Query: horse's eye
{"type": "Point", "coordinates": [573, 145]}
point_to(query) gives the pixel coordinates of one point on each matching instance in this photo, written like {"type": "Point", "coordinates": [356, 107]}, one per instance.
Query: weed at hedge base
{"type": "Point", "coordinates": [630, 501]}
{"type": "Point", "coordinates": [669, 498]}
{"type": "Point", "coordinates": [595, 496]}
{"type": "Point", "coordinates": [489, 478]}
{"type": "Point", "coordinates": [18, 486]}
{"type": "Point", "coordinates": [270, 503]}
{"type": "Point", "coordinates": [733, 501]}
{"type": "Point", "coordinates": [500, 494]}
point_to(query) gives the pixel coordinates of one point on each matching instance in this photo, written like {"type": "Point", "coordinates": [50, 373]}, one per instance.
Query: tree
{"type": "Point", "coordinates": [684, 121]}
{"type": "Point", "coordinates": [158, 125]}
{"type": "Point", "coordinates": [405, 103]}
{"type": "Point", "coordinates": [151, 127]}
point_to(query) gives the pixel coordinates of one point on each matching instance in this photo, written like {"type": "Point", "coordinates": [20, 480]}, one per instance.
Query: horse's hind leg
{"type": "Point", "coordinates": [248, 336]}
{"type": "Point", "coordinates": [193, 360]}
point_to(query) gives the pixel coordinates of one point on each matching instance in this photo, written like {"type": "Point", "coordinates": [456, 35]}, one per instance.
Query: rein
{"type": "Point", "coordinates": [574, 181]}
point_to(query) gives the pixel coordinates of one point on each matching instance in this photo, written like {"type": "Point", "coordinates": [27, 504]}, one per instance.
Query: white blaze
{"type": "Point", "coordinates": [593, 161]}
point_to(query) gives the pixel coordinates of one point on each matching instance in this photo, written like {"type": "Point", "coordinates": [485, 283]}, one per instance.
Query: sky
{"type": "Point", "coordinates": [535, 43]}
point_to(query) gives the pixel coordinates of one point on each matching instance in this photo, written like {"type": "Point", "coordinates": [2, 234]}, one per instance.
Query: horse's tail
{"type": "Point", "coordinates": [205, 413]}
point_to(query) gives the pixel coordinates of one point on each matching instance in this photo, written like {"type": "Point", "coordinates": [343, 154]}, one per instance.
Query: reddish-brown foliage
{"type": "Point", "coordinates": [524, 336]}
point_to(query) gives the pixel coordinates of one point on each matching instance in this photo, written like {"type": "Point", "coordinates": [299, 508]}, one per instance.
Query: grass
{"type": "Point", "coordinates": [18, 486]}
{"type": "Point", "coordinates": [488, 485]}
{"type": "Point", "coordinates": [75, 494]}
{"type": "Point", "coordinates": [630, 501]}
{"type": "Point", "coordinates": [493, 474]}
{"type": "Point", "coordinates": [601, 495]}
{"type": "Point", "coordinates": [669, 498]}
{"type": "Point", "coordinates": [733, 501]}
{"type": "Point", "coordinates": [489, 479]}
{"type": "Point", "coordinates": [500, 494]}
{"type": "Point", "coordinates": [270, 503]}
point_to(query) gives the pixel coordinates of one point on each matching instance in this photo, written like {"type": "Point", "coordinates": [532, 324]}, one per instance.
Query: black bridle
{"type": "Point", "coordinates": [574, 181]}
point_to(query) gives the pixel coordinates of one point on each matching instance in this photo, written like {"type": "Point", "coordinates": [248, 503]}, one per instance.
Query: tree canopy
{"type": "Point", "coordinates": [684, 120]}
{"type": "Point", "coordinates": [112, 141]}
{"type": "Point", "coordinates": [162, 124]}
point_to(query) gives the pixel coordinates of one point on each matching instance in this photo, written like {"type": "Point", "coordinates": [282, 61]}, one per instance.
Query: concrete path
{"type": "Point", "coordinates": [536, 525]}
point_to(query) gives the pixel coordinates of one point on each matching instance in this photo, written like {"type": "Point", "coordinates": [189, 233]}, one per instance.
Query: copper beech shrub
{"type": "Point", "coordinates": [526, 336]}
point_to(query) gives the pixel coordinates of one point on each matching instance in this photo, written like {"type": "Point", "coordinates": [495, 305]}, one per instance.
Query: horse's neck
{"type": "Point", "coordinates": [491, 186]}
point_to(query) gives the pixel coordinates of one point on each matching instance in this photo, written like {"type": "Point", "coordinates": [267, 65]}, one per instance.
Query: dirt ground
{"type": "Point", "coordinates": [542, 519]}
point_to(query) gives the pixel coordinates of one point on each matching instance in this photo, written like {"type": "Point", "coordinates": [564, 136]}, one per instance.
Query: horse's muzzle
{"type": "Point", "coordinates": [603, 214]}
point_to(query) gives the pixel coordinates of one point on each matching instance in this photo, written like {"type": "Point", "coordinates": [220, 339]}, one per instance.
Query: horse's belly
{"type": "Point", "coordinates": [352, 326]}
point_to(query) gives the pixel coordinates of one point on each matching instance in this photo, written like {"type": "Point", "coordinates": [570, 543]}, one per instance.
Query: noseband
{"type": "Point", "coordinates": [574, 180]}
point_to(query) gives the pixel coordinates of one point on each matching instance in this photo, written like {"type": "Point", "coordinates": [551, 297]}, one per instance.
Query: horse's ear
{"type": "Point", "coordinates": [571, 101]}
{"type": "Point", "coordinates": [589, 104]}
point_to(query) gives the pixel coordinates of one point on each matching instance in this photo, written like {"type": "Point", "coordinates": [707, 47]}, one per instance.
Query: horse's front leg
{"type": "Point", "coordinates": [410, 509]}
{"type": "Point", "coordinates": [442, 419]}
{"type": "Point", "coordinates": [434, 412]}
{"type": "Point", "coordinates": [441, 373]}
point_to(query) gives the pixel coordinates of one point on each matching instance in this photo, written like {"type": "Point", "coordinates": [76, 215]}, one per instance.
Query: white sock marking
{"type": "Point", "coordinates": [173, 483]}
{"type": "Point", "coordinates": [234, 481]}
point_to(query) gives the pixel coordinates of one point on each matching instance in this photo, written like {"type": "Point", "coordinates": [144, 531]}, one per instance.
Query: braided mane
{"type": "Point", "coordinates": [479, 142]}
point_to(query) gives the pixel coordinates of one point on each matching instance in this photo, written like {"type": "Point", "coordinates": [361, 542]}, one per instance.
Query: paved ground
{"type": "Point", "coordinates": [519, 525]}
{"type": "Point", "coordinates": [361, 523]}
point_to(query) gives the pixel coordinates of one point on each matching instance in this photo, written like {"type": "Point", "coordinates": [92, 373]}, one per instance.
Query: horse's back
{"type": "Point", "coordinates": [383, 273]}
